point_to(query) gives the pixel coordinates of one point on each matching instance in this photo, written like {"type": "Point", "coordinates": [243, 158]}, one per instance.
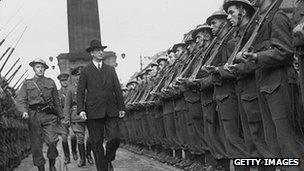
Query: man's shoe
{"type": "Point", "coordinates": [41, 168]}
{"type": "Point", "coordinates": [90, 159]}
{"type": "Point", "coordinates": [75, 156]}
{"type": "Point", "coordinates": [52, 164]}
{"type": "Point", "coordinates": [110, 167]}
{"type": "Point", "coordinates": [67, 160]}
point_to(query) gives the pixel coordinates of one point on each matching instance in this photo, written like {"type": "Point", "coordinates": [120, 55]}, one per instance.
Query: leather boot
{"type": "Point", "coordinates": [66, 152]}
{"type": "Point", "coordinates": [41, 168]}
{"type": "Point", "coordinates": [52, 164]}
{"type": "Point", "coordinates": [74, 147]}
{"type": "Point", "coordinates": [88, 153]}
{"type": "Point", "coordinates": [82, 161]}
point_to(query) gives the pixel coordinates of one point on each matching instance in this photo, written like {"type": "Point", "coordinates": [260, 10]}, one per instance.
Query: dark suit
{"type": "Point", "coordinates": [99, 95]}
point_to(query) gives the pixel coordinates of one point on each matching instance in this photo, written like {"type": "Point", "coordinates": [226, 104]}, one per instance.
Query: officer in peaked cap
{"type": "Point", "coordinates": [63, 129]}
{"type": "Point", "coordinates": [78, 125]}
{"type": "Point", "coordinates": [34, 101]}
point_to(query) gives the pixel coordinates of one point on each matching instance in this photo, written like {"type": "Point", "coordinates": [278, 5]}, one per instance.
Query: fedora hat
{"type": "Point", "coordinates": [95, 44]}
{"type": "Point", "coordinates": [38, 61]}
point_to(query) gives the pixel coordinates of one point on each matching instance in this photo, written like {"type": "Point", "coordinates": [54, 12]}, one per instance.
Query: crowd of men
{"type": "Point", "coordinates": [231, 89]}
{"type": "Point", "coordinates": [14, 135]}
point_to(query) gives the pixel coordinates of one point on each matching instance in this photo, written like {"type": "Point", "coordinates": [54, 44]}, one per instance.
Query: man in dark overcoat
{"type": "Point", "coordinates": [100, 102]}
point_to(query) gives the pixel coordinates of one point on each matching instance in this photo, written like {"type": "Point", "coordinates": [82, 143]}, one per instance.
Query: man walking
{"type": "Point", "coordinates": [38, 101]}
{"type": "Point", "coordinates": [104, 105]}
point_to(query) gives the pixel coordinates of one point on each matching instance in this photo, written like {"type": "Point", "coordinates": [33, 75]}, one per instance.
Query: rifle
{"type": "Point", "coordinates": [219, 46]}
{"type": "Point", "coordinates": [239, 44]}
{"type": "Point", "coordinates": [204, 56]}
{"type": "Point", "coordinates": [12, 67]}
{"type": "Point", "coordinates": [191, 63]}
{"type": "Point", "coordinates": [267, 16]}
{"type": "Point", "coordinates": [13, 49]}
{"type": "Point", "coordinates": [20, 79]}
{"type": "Point", "coordinates": [7, 50]}
{"type": "Point", "coordinates": [3, 40]}
{"type": "Point", "coordinates": [13, 75]}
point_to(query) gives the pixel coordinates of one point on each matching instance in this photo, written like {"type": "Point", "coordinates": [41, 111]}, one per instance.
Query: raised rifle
{"type": "Point", "coordinates": [17, 82]}
{"type": "Point", "coordinates": [13, 75]}
{"type": "Point", "coordinates": [264, 19]}
{"type": "Point", "coordinates": [13, 49]}
{"type": "Point", "coordinates": [12, 67]}
{"type": "Point", "coordinates": [204, 56]}
{"type": "Point", "coordinates": [246, 31]}
{"type": "Point", "coordinates": [219, 46]}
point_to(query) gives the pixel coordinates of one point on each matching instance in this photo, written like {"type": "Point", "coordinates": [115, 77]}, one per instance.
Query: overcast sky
{"type": "Point", "coordinates": [132, 27]}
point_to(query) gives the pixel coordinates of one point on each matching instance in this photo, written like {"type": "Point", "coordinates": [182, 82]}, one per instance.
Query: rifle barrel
{"type": "Point", "coordinates": [12, 67]}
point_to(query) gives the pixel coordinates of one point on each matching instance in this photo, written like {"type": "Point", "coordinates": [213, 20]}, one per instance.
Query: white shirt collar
{"type": "Point", "coordinates": [96, 64]}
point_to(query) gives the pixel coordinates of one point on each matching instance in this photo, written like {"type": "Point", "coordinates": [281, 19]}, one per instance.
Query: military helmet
{"type": "Point", "coordinates": [246, 3]}
{"type": "Point", "coordinates": [38, 61]}
{"type": "Point", "coordinates": [188, 37]}
{"type": "Point", "coordinates": [174, 48]}
{"type": "Point", "coordinates": [63, 76]}
{"type": "Point", "coordinates": [154, 64]}
{"type": "Point", "coordinates": [216, 14]}
{"type": "Point", "coordinates": [131, 82]}
{"type": "Point", "coordinates": [202, 27]}
{"type": "Point", "coordinates": [162, 58]}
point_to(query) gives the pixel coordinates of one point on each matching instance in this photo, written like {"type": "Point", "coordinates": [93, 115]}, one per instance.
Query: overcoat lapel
{"type": "Point", "coordinates": [96, 74]}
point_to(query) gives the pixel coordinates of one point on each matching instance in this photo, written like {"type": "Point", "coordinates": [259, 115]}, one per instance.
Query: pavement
{"type": "Point", "coordinates": [125, 161]}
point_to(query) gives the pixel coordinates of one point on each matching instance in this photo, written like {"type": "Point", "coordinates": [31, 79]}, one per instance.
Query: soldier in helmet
{"type": "Point", "coordinates": [78, 124]}
{"type": "Point", "coordinates": [34, 101]}
{"type": "Point", "coordinates": [276, 81]}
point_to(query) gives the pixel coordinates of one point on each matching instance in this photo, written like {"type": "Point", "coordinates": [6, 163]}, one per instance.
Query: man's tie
{"type": "Point", "coordinates": [99, 66]}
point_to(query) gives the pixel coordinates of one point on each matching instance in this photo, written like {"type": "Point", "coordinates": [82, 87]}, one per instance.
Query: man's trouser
{"type": "Point", "coordinates": [98, 128]}
{"type": "Point", "coordinates": [277, 114]}
{"type": "Point", "coordinates": [196, 113]}
{"type": "Point", "coordinates": [79, 129]}
{"type": "Point", "coordinates": [42, 128]}
{"type": "Point", "coordinates": [170, 130]}
{"type": "Point", "coordinates": [214, 133]}
{"type": "Point", "coordinates": [227, 104]}
{"type": "Point", "coordinates": [181, 110]}
{"type": "Point", "coordinates": [251, 117]}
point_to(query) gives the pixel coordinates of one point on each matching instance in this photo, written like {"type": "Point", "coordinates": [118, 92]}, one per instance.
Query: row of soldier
{"type": "Point", "coordinates": [229, 90]}
{"type": "Point", "coordinates": [14, 136]}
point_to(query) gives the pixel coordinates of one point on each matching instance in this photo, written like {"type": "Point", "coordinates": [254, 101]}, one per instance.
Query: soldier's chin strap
{"type": "Point", "coordinates": [240, 16]}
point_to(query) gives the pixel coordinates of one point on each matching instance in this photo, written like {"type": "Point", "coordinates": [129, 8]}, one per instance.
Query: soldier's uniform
{"type": "Point", "coordinates": [276, 80]}
{"type": "Point", "coordinates": [78, 125]}
{"type": "Point", "coordinates": [42, 125]}
{"type": "Point", "coordinates": [63, 129]}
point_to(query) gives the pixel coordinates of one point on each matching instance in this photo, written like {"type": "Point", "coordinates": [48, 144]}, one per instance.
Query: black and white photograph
{"type": "Point", "coordinates": [142, 85]}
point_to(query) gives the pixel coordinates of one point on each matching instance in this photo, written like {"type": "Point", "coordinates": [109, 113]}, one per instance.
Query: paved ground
{"type": "Point", "coordinates": [125, 161]}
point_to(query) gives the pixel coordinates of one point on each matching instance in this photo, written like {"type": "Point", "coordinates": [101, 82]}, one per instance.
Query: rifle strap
{"type": "Point", "coordinates": [40, 91]}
